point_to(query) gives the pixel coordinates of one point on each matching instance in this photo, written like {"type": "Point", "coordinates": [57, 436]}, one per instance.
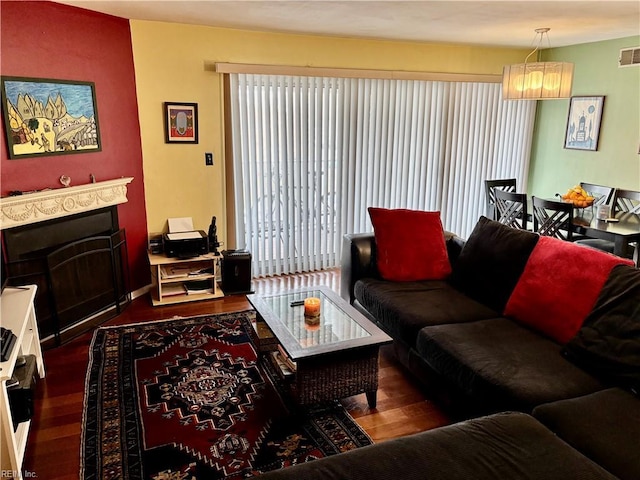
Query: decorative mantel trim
{"type": "Point", "coordinates": [61, 202]}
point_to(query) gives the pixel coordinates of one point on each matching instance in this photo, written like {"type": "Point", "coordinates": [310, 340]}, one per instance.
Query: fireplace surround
{"type": "Point", "coordinates": [69, 243]}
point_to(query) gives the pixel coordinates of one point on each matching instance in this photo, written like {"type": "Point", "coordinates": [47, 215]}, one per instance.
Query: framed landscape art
{"type": "Point", "coordinates": [583, 123]}
{"type": "Point", "coordinates": [180, 122]}
{"type": "Point", "coordinates": [49, 117]}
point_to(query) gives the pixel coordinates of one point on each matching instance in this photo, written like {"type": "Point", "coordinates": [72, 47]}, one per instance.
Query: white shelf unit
{"type": "Point", "coordinates": [185, 270]}
{"type": "Point", "coordinates": [18, 315]}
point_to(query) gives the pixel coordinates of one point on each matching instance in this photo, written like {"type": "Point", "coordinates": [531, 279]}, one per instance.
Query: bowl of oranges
{"type": "Point", "coordinates": [578, 196]}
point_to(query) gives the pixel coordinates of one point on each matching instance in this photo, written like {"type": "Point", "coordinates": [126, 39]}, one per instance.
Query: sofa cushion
{"type": "Point", "coordinates": [608, 344]}
{"type": "Point", "coordinates": [604, 426]}
{"type": "Point", "coordinates": [503, 446]}
{"type": "Point", "coordinates": [492, 261]}
{"type": "Point", "coordinates": [410, 245]}
{"type": "Point", "coordinates": [503, 364]}
{"type": "Point", "coordinates": [559, 287]}
{"type": "Point", "coordinates": [403, 308]}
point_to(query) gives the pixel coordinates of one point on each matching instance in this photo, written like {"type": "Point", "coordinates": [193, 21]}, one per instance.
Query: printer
{"type": "Point", "coordinates": [185, 244]}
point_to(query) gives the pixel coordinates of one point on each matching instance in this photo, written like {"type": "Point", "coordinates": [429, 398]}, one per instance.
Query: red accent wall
{"type": "Point", "coordinates": [49, 40]}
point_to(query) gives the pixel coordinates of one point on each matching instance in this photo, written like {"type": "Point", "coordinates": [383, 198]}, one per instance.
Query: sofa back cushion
{"type": "Point", "coordinates": [491, 262]}
{"type": "Point", "coordinates": [608, 344]}
{"type": "Point", "coordinates": [410, 245]}
{"type": "Point", "coordinates": [559, 287]}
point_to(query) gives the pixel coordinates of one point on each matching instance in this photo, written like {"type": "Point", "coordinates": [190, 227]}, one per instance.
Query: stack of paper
{"type": "Point", "coordinates": [198, 287]}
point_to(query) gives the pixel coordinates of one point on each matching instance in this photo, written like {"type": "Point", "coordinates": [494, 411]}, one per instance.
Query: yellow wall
{"type": "Point", "coordinates": [170, 66]}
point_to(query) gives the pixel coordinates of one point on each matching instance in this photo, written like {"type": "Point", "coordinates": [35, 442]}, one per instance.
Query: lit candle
{"type": "Point", "coordinates": [312, 307]}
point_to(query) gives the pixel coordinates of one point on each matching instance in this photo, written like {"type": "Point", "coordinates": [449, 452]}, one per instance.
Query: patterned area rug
{"type": "Point", "coordinates": [185, 399]}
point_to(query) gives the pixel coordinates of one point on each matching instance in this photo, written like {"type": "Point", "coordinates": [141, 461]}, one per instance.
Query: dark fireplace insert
{"type": "Point", "coordinates": [79, 263]}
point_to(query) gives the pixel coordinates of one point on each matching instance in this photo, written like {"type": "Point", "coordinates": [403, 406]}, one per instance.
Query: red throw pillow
{"type": "Point", "coordinates": [410, 245]}
{"type": "Point", "coordinates": [559, 287]}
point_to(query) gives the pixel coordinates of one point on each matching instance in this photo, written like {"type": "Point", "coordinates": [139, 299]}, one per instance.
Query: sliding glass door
{"type": "Point", "coordinates": [310, 154]}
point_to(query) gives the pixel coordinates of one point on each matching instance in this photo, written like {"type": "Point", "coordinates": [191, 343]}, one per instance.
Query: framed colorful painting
{"type": "Point", "coordinates": [583, 123]}
{"type": "Point", "coordinates": [180, 122]}
{"type": "Point", "coordinates": [49, 117]}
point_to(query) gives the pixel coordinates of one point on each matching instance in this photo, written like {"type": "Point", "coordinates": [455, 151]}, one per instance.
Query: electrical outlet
{"type": "Point", "coordinates": [208, 158]}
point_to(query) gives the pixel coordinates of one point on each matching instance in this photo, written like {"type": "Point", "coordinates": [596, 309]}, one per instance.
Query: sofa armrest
{"type": "Point", "coordinates": [358, 261]}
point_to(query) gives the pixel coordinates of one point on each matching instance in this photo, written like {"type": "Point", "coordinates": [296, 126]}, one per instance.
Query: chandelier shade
{"type": "Point", "coordinates": [537, 80]}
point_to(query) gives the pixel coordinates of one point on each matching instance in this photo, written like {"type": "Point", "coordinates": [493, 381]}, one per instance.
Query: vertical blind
{"type": "Point", "coordinates": [312, 153]}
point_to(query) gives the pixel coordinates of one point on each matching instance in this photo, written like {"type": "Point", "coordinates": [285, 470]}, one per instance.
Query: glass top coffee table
{"type": "Point", "coordinates": [334, 359]}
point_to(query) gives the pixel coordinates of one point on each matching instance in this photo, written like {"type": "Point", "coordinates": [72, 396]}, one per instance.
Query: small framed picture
{"type": "Point", "coordinates": [583, 123]}
{"type": "Point", "coordinates": [180, 122]}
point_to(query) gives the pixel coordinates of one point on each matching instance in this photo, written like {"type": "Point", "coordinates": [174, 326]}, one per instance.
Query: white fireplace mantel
{"type": "Point", "coordinates": [60, 202]}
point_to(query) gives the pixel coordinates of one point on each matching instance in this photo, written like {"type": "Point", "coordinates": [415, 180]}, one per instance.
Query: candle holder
{"type": "Point", "coordinates": [311, 327]}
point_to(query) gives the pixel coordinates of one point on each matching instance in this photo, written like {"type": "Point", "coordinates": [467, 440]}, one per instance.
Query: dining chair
{"type": "Point", "coordinates": [490, 186]}
{"type": "Point", "coordinates": [602, 194]}
{"type": "Point", "coordinates": [552, 219]}
{"type": "Point", "coordinates": [512, 208]}
{"type": "Point", "coordinates": [627, 201]}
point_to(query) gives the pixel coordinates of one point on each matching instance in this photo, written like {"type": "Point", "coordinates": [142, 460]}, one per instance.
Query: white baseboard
{"type": "Point", "coordinates": [140, 292]}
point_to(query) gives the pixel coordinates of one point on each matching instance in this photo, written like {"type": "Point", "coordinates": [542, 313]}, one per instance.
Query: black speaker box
{"type": "Point", "coordinates": [236, 271]}
{"type": "Point", "coordinates": [21, 394]}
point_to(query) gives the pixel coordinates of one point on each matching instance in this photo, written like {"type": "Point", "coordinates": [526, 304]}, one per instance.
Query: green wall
{"type": "Point", "coordinates": [616, 162]}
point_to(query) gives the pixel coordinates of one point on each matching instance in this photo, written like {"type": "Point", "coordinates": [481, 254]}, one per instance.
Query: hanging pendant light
{"type": "Point", "coordinates": [537, 80]}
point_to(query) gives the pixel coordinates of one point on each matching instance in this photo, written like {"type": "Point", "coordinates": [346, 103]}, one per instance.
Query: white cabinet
{"type": "Point", "coordinates": [18, 315]}
{"type": "Point", "coordinates": [172, 278]}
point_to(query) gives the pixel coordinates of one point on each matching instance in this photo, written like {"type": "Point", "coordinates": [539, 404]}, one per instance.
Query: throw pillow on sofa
{"type": "Point", "coordinates": [608, 344]}
{"type": "Point", "coordinates": [410, 245]}
{"type": "Point", "coordinates": [491, 262]}
{"type": "Point", "coordinates": [559, 287]}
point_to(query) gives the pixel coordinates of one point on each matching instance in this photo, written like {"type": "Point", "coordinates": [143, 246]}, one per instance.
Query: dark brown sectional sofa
{"type": "Point", "coordinates": [531, 406]}
{"type": "Point", "coordinates": [501, 446]}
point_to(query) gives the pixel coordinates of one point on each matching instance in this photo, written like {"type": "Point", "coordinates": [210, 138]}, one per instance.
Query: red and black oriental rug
{"type": "Point", "coordinates": [186, 399]}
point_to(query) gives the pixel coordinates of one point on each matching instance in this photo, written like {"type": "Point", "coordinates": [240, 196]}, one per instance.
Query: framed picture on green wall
{"type": "Point", "coordinates": [583, 123]}
{"type": "Point", "coordinates": [49, 117]}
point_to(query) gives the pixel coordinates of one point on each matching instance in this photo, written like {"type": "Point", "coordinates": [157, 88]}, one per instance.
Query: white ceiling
{"type": "Point", "coordinates": [492, 23]}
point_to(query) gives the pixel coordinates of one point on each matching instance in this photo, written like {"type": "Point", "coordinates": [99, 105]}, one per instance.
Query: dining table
{"type": "Point", "coordinates": [622, 229]}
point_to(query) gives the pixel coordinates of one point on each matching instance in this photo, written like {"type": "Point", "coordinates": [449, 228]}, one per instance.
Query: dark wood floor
{"type": "Point", "coordinates": [53, 450]}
